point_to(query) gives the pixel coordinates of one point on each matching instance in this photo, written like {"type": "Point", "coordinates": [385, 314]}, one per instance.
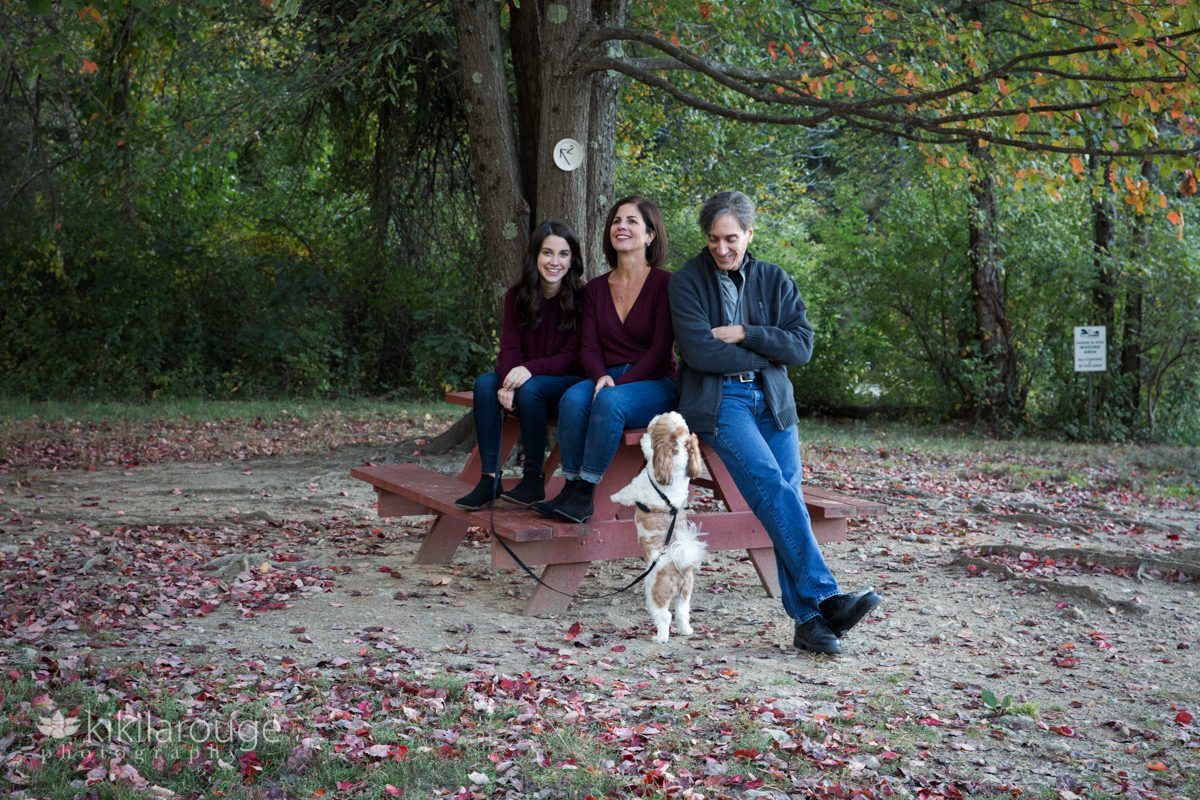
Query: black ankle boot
{"type": "Point", "coordinates": [486, 491]}
{"type": "Point", "coordinates": [530, 490]}
{"type": "Point", "coordinates": [578, 505]}
{"type": "Point", "coordinates": [549, 508]}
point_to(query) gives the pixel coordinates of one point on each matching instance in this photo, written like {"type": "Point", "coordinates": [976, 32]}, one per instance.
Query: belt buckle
{"type": "Point", "coordinates": [745, 377]}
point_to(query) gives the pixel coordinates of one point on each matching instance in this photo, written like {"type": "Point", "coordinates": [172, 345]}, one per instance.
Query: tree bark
{"type": "Point", "coordinates": [1133, 358]}
{"type": "Point", "coordinates": [601, 144]}
{"type": "Point", "coordinates": [566, 110]}
{"type": "Point", "coordinates": [1103, 236]}
{"type": "Point", "coordinates": [504, 209]}
{"type": "Point", "coordinates": [1002, 402]}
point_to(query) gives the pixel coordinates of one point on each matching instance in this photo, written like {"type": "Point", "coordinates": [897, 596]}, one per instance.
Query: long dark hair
{"type": "Point", "coordinates": [529, 287]}
{"type": "Point", "coordinates": [656, 251]}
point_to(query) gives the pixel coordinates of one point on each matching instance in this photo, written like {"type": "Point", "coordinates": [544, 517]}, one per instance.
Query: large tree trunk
{"type": "Point", "coordinates": [566, 114]}
{"type": "Point", "coordinates": [1003, 401]}
{"type": "Point", "coordinates": [503, 208]}
{"type": "Point", "coordinates": [601, 144]}
{"type": "Point", "coordinates": [1133, 359]}
{"type": "Point", "coordinates": [1103, 236]}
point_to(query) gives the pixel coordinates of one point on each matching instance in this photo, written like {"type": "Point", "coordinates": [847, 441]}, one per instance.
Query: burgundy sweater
{"type": "Point", "coordinates": [544, 350]}
{"type": "Point", "coordinates": [645, 339]}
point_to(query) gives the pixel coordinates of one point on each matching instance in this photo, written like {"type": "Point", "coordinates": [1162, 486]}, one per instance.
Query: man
{"type": "Point", "coordinates": [739, 323]}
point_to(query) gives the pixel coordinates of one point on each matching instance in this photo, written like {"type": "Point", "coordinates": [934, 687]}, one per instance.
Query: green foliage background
{"type": "Point", "coordinates": [219, 200]}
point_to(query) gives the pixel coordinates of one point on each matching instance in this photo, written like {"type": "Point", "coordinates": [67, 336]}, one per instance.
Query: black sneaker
{"type": "Point", "coordinates": [578, 505]}
{"type": "Point", "coordinates": [483, 495]}
{"type": "Point", "coordinates": [844, 611]}
{"type": "Point", "coordinates": [530, 490]}
{"type": "Point", "coordinates": [816, 637]}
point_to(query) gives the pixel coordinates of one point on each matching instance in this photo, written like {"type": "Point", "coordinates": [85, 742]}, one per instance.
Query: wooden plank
{"type": "Point", "coordinates": [862, 508]}
{"type": "Point", "coordinates": [545, 602]}
{"type": "Point", "coordinates": [436, 493]}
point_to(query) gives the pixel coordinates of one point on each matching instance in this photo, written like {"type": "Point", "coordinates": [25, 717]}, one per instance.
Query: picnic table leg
{"type": "Point", "coordinates": [763, 559]}
{"type": "Point", "coordinates": [474, 466]}
{"type": "Point", "coordinates": [545, 602]}
{"type": "Point", "coordinates": [442, 541]}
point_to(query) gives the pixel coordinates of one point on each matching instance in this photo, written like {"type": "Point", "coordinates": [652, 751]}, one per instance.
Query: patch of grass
{"type": "Point", "coordinates": [218, 410]}
{"type": "Point", "coordinates": [1026, 709]}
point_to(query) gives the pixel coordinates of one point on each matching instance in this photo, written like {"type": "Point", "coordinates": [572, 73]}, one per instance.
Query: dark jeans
{"type": "Point", "coordinates": [589, 429]}
{"type": "Point", "coordinates": [533, 405]}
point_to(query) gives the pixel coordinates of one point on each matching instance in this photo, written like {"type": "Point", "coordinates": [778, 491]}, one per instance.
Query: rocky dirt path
{"type": "Point", "coordinates": [1076, 599]}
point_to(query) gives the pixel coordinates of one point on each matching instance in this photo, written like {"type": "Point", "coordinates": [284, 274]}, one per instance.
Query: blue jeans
{"type": "Point", "coordinates": [765, 464]}
{"type": "Point", "coordinates": [533, 405]}
{"type": "Point", "coordinates": [589, 433]}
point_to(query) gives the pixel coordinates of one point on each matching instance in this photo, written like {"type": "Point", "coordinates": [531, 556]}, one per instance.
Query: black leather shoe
{"type": "Point", "coordinates": [549, 508]}
{"type": "Point", "coordinates": [578, 505]}
{"type": "Point", "coordinates": [484, 493]}
{"type": "Point", "coordinates": [815, 636]}
{"type": "Point", "coordinates": [530, 490]}
{"type": "Point", "coordinates": [844, 611]}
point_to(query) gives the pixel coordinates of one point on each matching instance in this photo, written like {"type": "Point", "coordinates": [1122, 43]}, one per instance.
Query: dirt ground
{"type": "Point", "coordinates": [1105, 656]}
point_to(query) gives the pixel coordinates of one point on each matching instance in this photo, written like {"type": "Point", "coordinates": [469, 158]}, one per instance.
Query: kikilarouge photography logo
{"type": "Point", "coordinates": [143, 729]}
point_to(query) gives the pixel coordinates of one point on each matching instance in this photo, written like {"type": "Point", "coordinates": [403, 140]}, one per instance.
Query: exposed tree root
{"type": "Point", "coordinates": [1077, 590]}
{"type": "Point", "coordinates": [1031, 518]}
{"type": "Point", "coordinates": [1141, 565]}
{"type": "Point", "coordinates": [459, 438]}
{"type": "Point", "coordinates": [232, 564]}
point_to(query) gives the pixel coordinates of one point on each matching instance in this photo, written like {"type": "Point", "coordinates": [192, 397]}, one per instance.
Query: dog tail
{"type": "Point", "coordinates": [686, 549]}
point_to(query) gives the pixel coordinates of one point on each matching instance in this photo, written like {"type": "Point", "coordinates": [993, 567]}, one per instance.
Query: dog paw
{"type": "Point", "coordinates": [685, 630]}
{"type": "Point", "coordinates": [661, 638]}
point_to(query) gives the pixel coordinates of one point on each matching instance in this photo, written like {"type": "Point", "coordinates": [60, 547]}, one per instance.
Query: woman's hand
{"type": "Point", "coordinates": [505, 397]}
{"type": "Point", "coordinates": [603, 383]}
{"type": "Point", "coordinates": [730, 334]}
{"type": "Point", "coordinates": [516, 378]}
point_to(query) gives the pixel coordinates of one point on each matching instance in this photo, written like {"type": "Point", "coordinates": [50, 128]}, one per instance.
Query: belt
{"type": "Point", "coordinates": [742, 377]}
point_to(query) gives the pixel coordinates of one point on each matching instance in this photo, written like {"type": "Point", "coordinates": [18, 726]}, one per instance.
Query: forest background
{"type": "Point", "coordinates": [261, 199]}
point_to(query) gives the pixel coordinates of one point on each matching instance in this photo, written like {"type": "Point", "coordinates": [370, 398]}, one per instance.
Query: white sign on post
{"type": "Point", "coordinates": [1091, 351]}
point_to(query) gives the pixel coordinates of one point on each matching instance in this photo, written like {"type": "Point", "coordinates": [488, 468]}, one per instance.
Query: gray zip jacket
{"type": "Point", "coordinates": [777, 335]}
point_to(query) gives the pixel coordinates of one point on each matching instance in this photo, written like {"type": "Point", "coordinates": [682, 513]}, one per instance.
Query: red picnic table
{"type": "Point", "coordinates": [567, 549]}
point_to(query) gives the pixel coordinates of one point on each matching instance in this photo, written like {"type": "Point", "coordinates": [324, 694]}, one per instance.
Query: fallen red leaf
{"type": "Point", "coordinates": [1183, 718]}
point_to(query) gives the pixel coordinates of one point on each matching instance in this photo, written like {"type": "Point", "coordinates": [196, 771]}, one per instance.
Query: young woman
{"type": "Point", "coordinates": [539, 360]}
{"type": "Point", "coordinates": [626, 353]}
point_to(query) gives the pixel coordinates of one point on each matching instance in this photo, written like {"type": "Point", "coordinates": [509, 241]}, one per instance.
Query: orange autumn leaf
{"type": "Point", "coordinates": [1077, 165]}
{"type": "Point", "coordinates": [1156, 766]}
{"type": "Point", "coordinates": [1022, 121]}
{"type": "Point", "coordinates": [89, 67]}
{"type": "Point", "coordinates": [1174, 218]}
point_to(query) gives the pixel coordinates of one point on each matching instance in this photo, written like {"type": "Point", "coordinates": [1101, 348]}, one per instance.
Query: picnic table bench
{"type": "Point", "coordinates": [567, 549]}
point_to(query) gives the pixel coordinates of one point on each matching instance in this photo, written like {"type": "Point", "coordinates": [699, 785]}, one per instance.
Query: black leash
{"type": "Point", "coordinates": [534, 575]}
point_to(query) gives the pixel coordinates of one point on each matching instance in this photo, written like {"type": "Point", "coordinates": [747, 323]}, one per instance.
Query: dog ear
{"type": "Point", "coordinates": [662, 455]}
{"type": "Point", "coordinates": [695, 463]}
{"type": "Point", "coordinates": [647, 445]}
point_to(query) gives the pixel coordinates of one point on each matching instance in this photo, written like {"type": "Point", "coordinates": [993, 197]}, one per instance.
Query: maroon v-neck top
{"type": "Point", "coordinates": [645, 339]}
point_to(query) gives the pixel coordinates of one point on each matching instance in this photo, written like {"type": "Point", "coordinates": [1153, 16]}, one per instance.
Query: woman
{"type": "Point", "coordinates": [740, 323]}
{"type": "Point", "coordinates": [539, 360]}
{"type": "Point", "coordinates": [626, 353]}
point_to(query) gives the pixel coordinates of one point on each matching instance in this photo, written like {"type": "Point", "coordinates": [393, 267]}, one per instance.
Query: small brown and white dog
{"type": "Point", "coordinates": [672, 460]}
